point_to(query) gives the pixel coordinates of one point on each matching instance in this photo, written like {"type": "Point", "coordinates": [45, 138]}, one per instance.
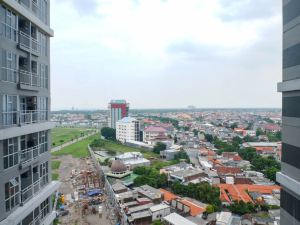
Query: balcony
{"type": "Point", "coordinates": [29, 154]}
{"type": "Point", "coordinates": [31, 81]}
{"type": "Point", "coordinates": [29, 191]}
{"type": "Point", "coordinates": [19, 118]}
{"type": "Point", "coordinates": [27, 43]}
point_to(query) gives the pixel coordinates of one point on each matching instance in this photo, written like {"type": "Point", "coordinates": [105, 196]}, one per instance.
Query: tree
{"type": "Point", "coordinates": [175, 139]}
{"type": "Point", "coordinates": [181, 155]}
{"type": "Point", "coordinates": [157, 222]}
{"type": "Point", "coordinates": [259, 132]}
{"type": "Point", "coordinates": [234, 125]}
{"type": "Point", "coordinates": [108, 133]}
{"type": "Point", "coordinates": [159, 147]}
{"type": "Point", "coordinates": [241, 208]}
{"type": "Point", "coordinates": [196, 132]}
{"type": "Point", "coordinates": [210, 209]}
{"type": "Point", "coordinates": [209, 137]}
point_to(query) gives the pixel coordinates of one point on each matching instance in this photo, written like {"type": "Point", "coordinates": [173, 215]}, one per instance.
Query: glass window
{"type": "Point", "coordinates": [8, 24]}
{"type": "Point", "coordinates": [8, 66]}
{"type": "Point", "coordinates": [11, 154]}
{"type": "Point", "coordinates": [12, 194]}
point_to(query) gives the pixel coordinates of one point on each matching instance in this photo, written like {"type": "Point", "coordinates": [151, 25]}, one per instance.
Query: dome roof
{"type": "Point", "coordinates": [117, 166]}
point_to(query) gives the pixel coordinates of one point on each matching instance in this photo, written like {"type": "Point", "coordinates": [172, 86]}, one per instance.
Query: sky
{"type": "Point", "coordinates": [166, 53]}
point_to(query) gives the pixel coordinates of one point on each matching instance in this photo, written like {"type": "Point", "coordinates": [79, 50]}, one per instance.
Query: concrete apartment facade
{"type": "Point", "coordinates": [25, 170]}
{"type": "Point", "coordinates": [289, 177]}
{"type": "Point", "coordinates": [128, 129]}
{"type": "Point", "coordinates": [117, 109]}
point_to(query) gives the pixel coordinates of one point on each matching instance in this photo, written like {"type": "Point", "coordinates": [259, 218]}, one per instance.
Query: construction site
{"type": "Point", "coordinates": [80, 199]}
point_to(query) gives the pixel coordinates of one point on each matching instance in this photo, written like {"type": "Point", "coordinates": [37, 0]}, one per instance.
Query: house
{"type": "Point", "coordinates": [153, 133]}
{"type": "Point", "coordinates": [188, 175]}
{"type": "Point", "coordinates": [149, 192]}
{"type": "Point", "coordinates": [169, 154]}
{"type": "Point", "coordinates": [133, 159]}
{"type": "Point", "coordinates": [176, 219]}
{"type": "Point", "coordinates": [159, 211]}
{"type": "Point", "coordinates": [226, 171]}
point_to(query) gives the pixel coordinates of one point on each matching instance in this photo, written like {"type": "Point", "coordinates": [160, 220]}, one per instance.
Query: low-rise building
{"type": "Point", "coordinates": [176, 219]}
{"type": "Point", "coordinates": [159, 211]}
{"type": "Point", "coordinates": [133, 159]}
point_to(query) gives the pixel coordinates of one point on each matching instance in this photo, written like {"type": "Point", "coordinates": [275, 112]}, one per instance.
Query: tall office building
{"type": "Point", "coordinates": [25, 171]}
{"type": "Point", "coordinates": [289, 177]}
{"type": "Point", "coordinates": [117, 109]}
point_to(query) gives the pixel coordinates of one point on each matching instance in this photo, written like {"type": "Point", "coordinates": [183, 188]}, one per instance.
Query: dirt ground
{"type": "Point", "coordinates": [75, 217]}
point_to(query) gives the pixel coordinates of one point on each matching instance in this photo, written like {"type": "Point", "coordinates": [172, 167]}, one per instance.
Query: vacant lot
{"type": "Point", "coordinates": [78, 149]}
{"type": "Point", "coordinates": [62, 135]}
{"type": "Point", "coordinates": [120, 148]}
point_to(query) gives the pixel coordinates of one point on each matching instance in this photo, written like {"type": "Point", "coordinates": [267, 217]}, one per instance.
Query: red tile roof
{"type": "Point", "coordinates": [228, 170]}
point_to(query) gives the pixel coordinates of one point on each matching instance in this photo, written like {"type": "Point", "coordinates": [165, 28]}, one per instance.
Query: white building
{"type": "Point", "coordinates": [133, 159]}
{"type": "Point", "coordinates": [176, 219]}
{"type": "Point", "coordinates": [128, 129]}
{"type": "Point", "coordinates": [159, 211]}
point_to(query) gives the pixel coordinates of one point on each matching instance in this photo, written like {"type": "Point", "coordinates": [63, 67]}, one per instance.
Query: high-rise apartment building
{"type": "Point", "coordinates": [26, 188]}
{"type": "Point", "coordinates": [289, 177]}
{"type": "Point", "coordinates": [128, 129]}
{"type": "Point", "coordinates": [117, 109]}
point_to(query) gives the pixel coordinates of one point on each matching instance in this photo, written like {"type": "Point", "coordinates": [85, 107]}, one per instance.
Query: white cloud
{"type": "Point", "coordinates": [122, 44]}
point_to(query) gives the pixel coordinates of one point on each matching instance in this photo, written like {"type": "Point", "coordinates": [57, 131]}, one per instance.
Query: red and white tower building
{"type": "Point", "coordinates": [117, 110]}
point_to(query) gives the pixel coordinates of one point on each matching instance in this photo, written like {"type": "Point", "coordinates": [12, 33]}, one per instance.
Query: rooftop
{"type": "Point", "coordinates": [149, 191]}
{"type": "Point", "coordinates": [176, 219]}
{"type": "Point", "coordinates": [155, 129]}
{"type": "Point", "coordinates": [127, 120]}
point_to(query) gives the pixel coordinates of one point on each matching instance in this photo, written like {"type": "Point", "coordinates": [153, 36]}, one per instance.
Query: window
{"type": "Point", "coordinates": [45, 208]}
{"type": "Point", "coordinates": [10, 152]}
{"type": "Point", "coordinates": [8, 66]}
{"type": "Point", "coordinates": [42, 108]}
{"type": "Point", "coordinates": [44, 178]}
{"type": "Point", "coordinates": [8, 24]}
{"type": "Point", "coordinates": [43, 12]}
{"type": "Point", "coordinates": [44, 44]}
{"type": "Point", "coordinates": [9, 113]}
{"type": "Point", "coordinates": [43, 76]}
{"type": "Point", "coordinates": [43, 141]}
{"type": "Point", "coordinates": [11, 194]}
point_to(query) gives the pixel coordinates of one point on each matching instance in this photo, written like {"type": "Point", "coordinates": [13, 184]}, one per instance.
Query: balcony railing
{"type": "Point", "coordinates": [32, 79]}
{"type": "Point", "coordinates": [10, 118]}
{"type": "Point", "coordinates": [31, 153]}
{"type": "Point", "coordinates": [29, 78]}
{"type": "Point", "coordinates": [27, 192]}
{"type": "Point", "coordinates": [14, 118]}
{"type": "Point", "coordinates": [31, 44]}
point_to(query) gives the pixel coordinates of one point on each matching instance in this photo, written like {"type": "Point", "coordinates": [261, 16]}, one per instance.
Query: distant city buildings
{"type": "Point", "coordinates": [128, 129]}
{"type": "Point", "coordinates": [117, 109]}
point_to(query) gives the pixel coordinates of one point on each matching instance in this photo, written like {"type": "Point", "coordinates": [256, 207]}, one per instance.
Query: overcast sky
{"type": "Point", "coordinates": [165, 53]}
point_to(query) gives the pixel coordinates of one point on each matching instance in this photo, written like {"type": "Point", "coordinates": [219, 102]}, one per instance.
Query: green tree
{"type": "Point", "coordinates": [159, 147]}
{"type": "Point", "coordinates": [234, 125]}
{"type": "Point", "coordinates": [259, 131]}
{"type": "Point", "coordinates": [196, 132]}
{"type": "Point", "coordinates": [108, 133]}
{"type": "Point", "coordinates": [209, 137]}
{"type": "Point", "coordinates": [157, 222]}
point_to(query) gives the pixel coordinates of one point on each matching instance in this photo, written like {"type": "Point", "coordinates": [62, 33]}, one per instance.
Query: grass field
{"type": "Point", "coordinates": [55, 164]}
{"type": "Point", "coordinates": [114, 146]}
{"type": "Point", "coordinates": [55, 176]}
{"type": "Point", "coordinates": [78, 149]}
{"type": "Point", "coordinates": [62, 135]}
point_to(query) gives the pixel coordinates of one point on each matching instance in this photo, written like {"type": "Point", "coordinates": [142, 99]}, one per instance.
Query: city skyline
{"type": "Point", "coordinates": [237, 47]}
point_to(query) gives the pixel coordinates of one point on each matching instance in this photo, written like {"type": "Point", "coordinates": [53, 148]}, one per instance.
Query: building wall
{"type": "Point", "coordinates": [127, 131]}
{"type": "Point", "coordinates": [25, 75]}
{"type": "Point", "coordinates": [290, 88]}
